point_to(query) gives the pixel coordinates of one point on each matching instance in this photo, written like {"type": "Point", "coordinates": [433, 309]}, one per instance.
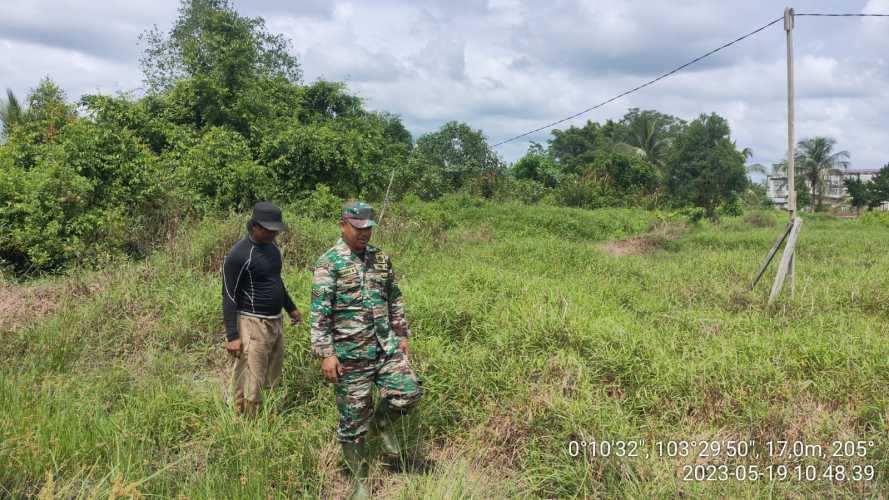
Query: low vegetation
{"type": "Point", "coordinates": [529, 334]}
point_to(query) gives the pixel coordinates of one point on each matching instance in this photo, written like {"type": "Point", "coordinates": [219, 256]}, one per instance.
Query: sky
{"type": "Point", "coordinates": [509, 66]}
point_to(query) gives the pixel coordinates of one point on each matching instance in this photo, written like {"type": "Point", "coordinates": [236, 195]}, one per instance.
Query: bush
{"type": "Point", "coordinates": [693, 215]}
{"type": "Point", "coordinates": [502, 187]}
{"type": "Point", "coordinates": [49, 219]}
{"type": "Point", "coordinates": [730, 208]}
{"type": "Point", "coordinates": [94, 192]}
{"type": "Point", "coordinates": [320, 204]}
{"type": "Point", "coordinates": [875, 218]}
{"type": "Point", "coordinates": [218, 172]}
{"type": "Point", "coordinates": [586, 193]}
{"type": "Point", "coordinates": [760, 218]}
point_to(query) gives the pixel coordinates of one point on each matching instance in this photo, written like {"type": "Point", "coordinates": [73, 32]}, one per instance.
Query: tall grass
{"type": "Point", "coordinates": [528, 334]}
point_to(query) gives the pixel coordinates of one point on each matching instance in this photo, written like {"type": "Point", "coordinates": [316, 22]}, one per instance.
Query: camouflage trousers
{"type": "Point", "coordinates": [259, 364]}
{"type": "Point", "coordinates": [393, 376]}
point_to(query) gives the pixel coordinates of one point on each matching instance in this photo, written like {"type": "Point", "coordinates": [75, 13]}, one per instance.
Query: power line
{"type": "Point", "coordinates": [676, 70]}
{"type": "Point", "coordinates": [843, 15]}
{"type": "Point", "coordinates": [646, 84]}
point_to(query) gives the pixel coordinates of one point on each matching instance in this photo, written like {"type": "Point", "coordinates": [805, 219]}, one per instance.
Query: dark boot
{"type": "Point", "coordinates": [384, 419]}
{"type": "Point", "coordinates": [358, 468]}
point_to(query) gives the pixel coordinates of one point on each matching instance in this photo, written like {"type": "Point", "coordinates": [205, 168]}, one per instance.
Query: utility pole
{"type": "Point", "coordinates": [790, 234]}
{"type": "Point", "coordinates": [791, 137]}
{"type": "Point", "coordinates": [791, 133]}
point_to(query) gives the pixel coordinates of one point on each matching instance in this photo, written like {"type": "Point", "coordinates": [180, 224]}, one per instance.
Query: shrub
{"type": "Point", "coordinates": [694, 215]}
{"type": "Point", "coordinates": [94, 192]}
{"type": "Point", "coordinates": [218, 172]}
{"type": "Point", "coordinates": [760, 218]}
{"type": "Point", "coordinates": [730, 208]}
{"type": "Point", "coordinates": [586, 193]}
{"type": "Point", "coordinates": [320, 204]}
{"type": "Point", "coordinates": [874, 217]}
{"type": "Point", "coordinates": [50, 220]}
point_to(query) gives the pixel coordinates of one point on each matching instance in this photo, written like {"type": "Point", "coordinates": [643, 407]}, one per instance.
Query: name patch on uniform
{"type": "Point", "coordinates": [380, 262]}
{"type": "Point", "coordinates": [349, 272]}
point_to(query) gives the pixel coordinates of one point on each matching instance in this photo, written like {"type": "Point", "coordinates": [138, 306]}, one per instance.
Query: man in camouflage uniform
{"type": "Point", "coordinates": [359, 330]}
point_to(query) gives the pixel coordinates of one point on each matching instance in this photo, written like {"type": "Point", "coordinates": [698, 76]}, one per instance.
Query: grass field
{"type": "Point", "coordinates": [533, 328]}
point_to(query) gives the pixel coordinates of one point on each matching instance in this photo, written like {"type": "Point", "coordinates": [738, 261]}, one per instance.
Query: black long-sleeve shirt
{"type": "Point", "coordinates": [251, 283]}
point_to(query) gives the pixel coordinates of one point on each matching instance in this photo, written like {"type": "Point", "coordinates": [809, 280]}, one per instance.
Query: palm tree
{"type": "Point", "coordinates": [756, 168]}
{"type": "Point", "coordinates": [753, 168]}
{"type": "Point", "coordinates": [816, 160]}
{"type": "Point", "coordinates": [646, 132]}
{"type": "Point", "coordinates": [11, 112]}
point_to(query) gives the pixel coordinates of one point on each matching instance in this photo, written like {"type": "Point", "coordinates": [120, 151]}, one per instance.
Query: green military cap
{"type": "Point", "coordinates": [359, 214]}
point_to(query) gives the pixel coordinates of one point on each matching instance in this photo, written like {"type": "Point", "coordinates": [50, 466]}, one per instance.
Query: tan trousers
{"type": "Point", "coordinates": [259, 365]}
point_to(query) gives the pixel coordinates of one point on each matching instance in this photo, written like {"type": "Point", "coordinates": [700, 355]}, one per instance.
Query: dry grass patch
{"type": "Point", "coordinates": [23, 305]}
{"type": "Point", "coordinates": [645, 243]}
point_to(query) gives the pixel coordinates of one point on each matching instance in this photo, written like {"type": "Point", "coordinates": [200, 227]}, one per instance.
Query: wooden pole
{"type": "Point", "coordinates": [791, 139]}
{"type": "Point", "coordinates": [786, 258]}
{"type": "Point", "coordinates": [771, 255]}
{"type": "Point", "coordinates": [791, 136]}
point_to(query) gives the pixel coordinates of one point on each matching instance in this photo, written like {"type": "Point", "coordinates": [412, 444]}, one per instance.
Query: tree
{"type": "Point", "coordinates": [218, 68]}
{"type": "Point", "coordinates": [755, 168]}
{"type": "Point", "coordinates": [816, 160]}
{"type": "Point", "coordinates": [47, 107]}
{"type": "Point", "coordinates": [11, 112]}
{"type": "Point", "coordinates": [448, 159]}
{"type": "Point", "coordinates": [859, 193]}
{"type": "Point", "coordinates": [705, 168]}
{"type": "Point", "coordinates": [537, 166]}
{"type": "Point", "coordinates": [651, 132]}
{"type": "Point", "coordinates": [209, 38]}
{"type": "Point", "coordinates": [879, 187]}
{"type": "Point", "coordinates": [627, 175]}
{"type": "Point", "coordinates": [575, 149]}
{"type": "Point", "coordinates": [756, 196]}
{"type": "Point", "coordinates": [39, 123]}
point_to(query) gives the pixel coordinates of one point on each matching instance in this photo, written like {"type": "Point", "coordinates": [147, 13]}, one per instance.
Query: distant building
{"type": "Point", "coordinates": [835, 193]}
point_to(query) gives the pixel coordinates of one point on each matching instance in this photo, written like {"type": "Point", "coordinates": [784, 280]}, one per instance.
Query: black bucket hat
{"type": "Point", "coordinates": [267, 215]}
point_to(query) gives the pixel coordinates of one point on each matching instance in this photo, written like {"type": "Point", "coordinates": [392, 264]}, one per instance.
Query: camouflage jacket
{"type": "Point", "coordinates": [357, 309]}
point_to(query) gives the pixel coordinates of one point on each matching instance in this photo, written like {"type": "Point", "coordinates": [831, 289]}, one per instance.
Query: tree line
{"type": "Point", "coordinates": [226, 121]}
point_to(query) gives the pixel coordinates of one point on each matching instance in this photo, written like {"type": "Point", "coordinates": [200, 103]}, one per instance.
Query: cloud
{"type": "Point", "coordinates": [508, 66]}
{"type": "Point", "coordinates": [321, 9]}
{"type": "Point", "coordinates": [108, 30]}
{"type": "Point", "coordinates": [24, 64]}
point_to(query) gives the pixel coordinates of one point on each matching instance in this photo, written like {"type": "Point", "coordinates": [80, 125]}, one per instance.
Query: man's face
{"type": "Point", "coordinates": [263, 235]}
{"type": "Point", "coordinates": [356, 238]}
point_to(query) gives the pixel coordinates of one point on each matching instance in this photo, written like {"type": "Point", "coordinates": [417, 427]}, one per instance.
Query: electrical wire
{"type": "Point", "coordinates": [843, 15]}
{"type": "Point", "coordinates": [674, 71]}
{"type": "Point", "coordinates": [646, 84]}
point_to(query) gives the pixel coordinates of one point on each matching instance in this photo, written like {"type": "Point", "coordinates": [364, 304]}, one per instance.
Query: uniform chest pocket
{"type": "Point", "coordinates": [348, 290]}
{"type": "Point", "coordinates": [378, 283]}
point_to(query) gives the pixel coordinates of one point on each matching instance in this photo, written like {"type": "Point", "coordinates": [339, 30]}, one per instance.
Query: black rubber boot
{"type": "Point", "coordinates": [358, 467]}
{"type": "Point", "coordinates": [384, 419]}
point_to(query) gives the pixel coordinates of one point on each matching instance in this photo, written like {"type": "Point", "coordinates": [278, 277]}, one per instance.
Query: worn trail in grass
{"type": "Point", "coordinates": [530, 333]}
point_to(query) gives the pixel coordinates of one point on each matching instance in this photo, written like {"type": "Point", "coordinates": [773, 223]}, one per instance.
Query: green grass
{"type": "Point", "coordinates": [528, 334]}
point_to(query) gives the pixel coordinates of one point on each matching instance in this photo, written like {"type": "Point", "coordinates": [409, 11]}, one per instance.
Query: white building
{"type": "Point", "coordinates": [835, 194]}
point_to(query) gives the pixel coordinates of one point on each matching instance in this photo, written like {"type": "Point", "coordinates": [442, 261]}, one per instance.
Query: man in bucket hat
{"type": "Point", "coordinates": [253, 295]}
{"type": "Point", "coordinates": [359, 330]}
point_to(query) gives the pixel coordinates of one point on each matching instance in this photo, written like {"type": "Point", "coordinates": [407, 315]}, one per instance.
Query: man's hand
{"type": "Point", "coordinates": [295, 317]}
{"type": "Point", "coordinates": [403, 346]}
{"type": "Point", "coordinates": [234, 348]}
{"type": "Point", "coordinates": [332, 369]}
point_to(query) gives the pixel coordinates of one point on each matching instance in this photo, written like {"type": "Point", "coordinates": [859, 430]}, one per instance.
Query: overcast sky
{"type": "Point", "coordinates": [508, 66]}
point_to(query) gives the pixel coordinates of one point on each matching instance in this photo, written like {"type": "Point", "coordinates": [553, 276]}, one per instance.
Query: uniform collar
{"type": "Point", "coordinates": [343, 250]}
